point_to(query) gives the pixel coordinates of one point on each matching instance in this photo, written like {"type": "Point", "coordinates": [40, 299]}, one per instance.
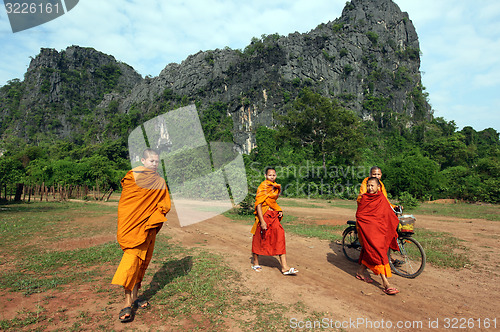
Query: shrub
{"type": "Point", "coordinates": [372, 36]}
{"type": "Point", "coordinates": [407, 200]}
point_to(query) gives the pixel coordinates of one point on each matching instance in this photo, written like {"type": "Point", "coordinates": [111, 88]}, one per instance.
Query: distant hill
{"type": "Point", "coordinates": [368, 58]}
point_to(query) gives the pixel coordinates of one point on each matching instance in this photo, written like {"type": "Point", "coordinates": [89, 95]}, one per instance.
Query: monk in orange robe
{"type": "Point", "coordinates": [268, 234]}
{"type": "Point", "coordinates": [376, 172]}
{"type": "Point", "coordinates": [143, 204]}
{"type": "Point", "coordinates": [377, 224]}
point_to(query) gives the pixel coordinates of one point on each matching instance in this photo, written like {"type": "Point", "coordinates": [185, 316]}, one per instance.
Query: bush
{"type": "Point", "coordinates": [247, 206]}
{"type": "Point", "coordinates": [407, 200]}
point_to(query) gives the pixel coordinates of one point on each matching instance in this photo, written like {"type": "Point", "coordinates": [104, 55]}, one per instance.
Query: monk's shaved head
{"type": "Point", "coordinates": [148, 153]}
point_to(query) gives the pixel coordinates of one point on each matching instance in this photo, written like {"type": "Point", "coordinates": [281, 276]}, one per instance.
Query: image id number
{"type": "Point", "coordinates": [470, 323]}
{"type": "Point", "coordinates": [31, 8]}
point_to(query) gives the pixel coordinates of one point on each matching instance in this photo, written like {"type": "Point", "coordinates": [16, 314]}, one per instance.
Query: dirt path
{"type": "Point", "coordinates": [326, 280]}
{"type": "Point", "coordinates": [325, 283]}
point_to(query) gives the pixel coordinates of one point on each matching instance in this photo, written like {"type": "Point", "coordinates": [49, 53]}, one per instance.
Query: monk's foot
{"type": "Point", "coordinates": [364, 277]}
{"type": "Point", "coordinates": [141, 304]}
{"type": "Point", "coordinates": [290, 271]}
{"type": "Point", "coordinates": [391, 290]}
{"type": "Point", "coordinates": [256, 268]}
{"type": "Point", "coordinates": [126, 315]}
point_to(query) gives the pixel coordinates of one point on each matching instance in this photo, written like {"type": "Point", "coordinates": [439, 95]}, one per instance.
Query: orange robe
{"type": "Point", "coordinates": [143, 205]}
{"type": "Point", "coordinates": [270, 242]}
{"type": "Point", "coordinates": [377, 224]}
{"type": "Point", "coordinates": [362, 190]}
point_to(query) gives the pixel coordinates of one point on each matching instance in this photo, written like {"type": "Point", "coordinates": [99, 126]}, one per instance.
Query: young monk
{"type": "Point", "coordinates": [376, 224]}
{"type": "Point", "coordinates": [143, 204]}
{"type": "Point", "coordinates": [375, 172]}
{"type": "Point", "coordinates": [268, 234]}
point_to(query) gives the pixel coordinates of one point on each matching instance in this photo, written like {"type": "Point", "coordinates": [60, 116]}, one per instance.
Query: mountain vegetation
{"type": "Point", "coordinates": [321, 106]}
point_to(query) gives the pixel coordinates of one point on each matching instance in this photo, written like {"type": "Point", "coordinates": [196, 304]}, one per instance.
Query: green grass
{"type": "Point", "coordinates": [23, 319]}
{"type": "Point", "coordinates": [346, 204]}
{"type": "Point", "coordinates": [323, 232]}
{"type": "Point", "coordinates": [301, 203]}
{"type": "Point", "coordinates": [235, 216]}
{"type": "Point", "coordinates": [460, 210]}
{"type": "Point", "coordinates": [21, 223]}
{"type": "Point", "coordinates": [249, 219]}
{"type": "Point", "coordinates": [442, 249]}
{"type": "Point", "coordinates": [37, 271]}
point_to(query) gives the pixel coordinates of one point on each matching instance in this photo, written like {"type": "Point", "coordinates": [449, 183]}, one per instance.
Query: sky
{"type": "Point", "coordinates": [459, 40]}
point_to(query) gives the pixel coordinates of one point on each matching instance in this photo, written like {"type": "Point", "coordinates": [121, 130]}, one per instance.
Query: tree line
{"type": "Point", "coordinates": [325, 150]}
{"type": "Point", "coordinates": [320, 149]}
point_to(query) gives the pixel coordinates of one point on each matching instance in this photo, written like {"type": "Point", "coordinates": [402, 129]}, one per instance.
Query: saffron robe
{"type": "Point", "coordinates": [141, 213]}
{"type": "Point", "coordinates": [267, 194]}
{"type": "Point", "coordinates": [270, 242]}
{"type": "Point", "coordinates": [144, 202]}
{"type": "Point", "coordinates": [377, 224]}
{"type": "Point", "coordinates": [134, 263]}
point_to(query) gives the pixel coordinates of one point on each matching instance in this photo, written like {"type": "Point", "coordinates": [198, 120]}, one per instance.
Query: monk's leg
{"type": "Point", "coordinates": [385, 281]}
{"type": "Point", "coordinates": [135, 291]}
{"type": "Point", "coordinates": [128, 302]}
{"type": "Point", "coordinates": [284, 264]}
{"type": "Point", "coordinates": [255, 259]}
{"type": "Point", "coordinates": [362, 270]}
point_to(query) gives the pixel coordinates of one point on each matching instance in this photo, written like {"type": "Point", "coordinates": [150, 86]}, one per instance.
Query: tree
{"type": "Point", "coordinates": [11, 171]}
{"type": "Point", "coordinates": [412, 172]}
{"type": "Point", "coordinates": [216, 123]}
{"type": "Point", "coordinates": [318, 122]}
{"type": "Point", "coordinates": [266, 145]}
{"type": "Point", "coordinates": [449, 151]}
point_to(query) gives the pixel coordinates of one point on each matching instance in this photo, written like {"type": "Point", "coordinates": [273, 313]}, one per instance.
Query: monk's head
{"type": "Point", "coordinates": [376, 172]}
{"type": "Point", "coordinates": [373, 185]}
{"type": "Point", "coordinates": [150, 159]}
{"type": "Point", "coordinates": [270, 173]}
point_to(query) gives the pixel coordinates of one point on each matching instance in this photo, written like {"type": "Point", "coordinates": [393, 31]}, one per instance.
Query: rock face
{"type": "Point", "coordinates": [368, 58]}
{"type": "Point", "coordinates": [62, 89]}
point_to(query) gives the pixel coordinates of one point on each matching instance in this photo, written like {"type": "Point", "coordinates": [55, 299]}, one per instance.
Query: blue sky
{"type": "Point", "coordinates": [459, 40]}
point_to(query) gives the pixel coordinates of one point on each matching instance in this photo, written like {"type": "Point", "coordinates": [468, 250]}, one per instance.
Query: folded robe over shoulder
{"type": "Point", "coordinates": [143, 205]}
{"type": "Point", "coordinates": [377, 224]}
{"type": "Point", "coordinates": [362, 190]}
{"type": "Point", "coordinates": [267, 194]}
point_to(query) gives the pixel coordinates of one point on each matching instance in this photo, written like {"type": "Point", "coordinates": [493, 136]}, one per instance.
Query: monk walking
{"type": "Point", "coordinates": [376, 223]}
{"type": "Point", "coordinates": [268, 234]}
{"type": "Point", "coordinates": [144, 202]}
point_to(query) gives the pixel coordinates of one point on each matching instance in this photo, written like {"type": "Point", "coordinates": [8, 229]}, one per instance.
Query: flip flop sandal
{"type": "Point", "coordinates": [365, 279]}
{"type": "Point", "coordinates": [126, 311]}
{"type": "Point", "coordinates": [141, 304]}
{"type": "Point", "coordinates": [256, 268]}
{"type": "Point", "coordinates": [292, 271]}
{"type": "Point", "coordinates": [391, 291]}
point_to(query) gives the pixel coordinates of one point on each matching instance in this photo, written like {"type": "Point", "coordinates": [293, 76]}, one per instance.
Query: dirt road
{"type": "Point", "coordinates": [437, 300]}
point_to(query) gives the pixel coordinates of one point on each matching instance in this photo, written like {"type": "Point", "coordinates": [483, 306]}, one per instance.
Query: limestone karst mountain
{"type": "Point", "coordinates": [368, 58]}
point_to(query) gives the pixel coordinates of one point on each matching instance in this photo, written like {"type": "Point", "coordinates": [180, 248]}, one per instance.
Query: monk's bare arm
{"type": "Point", "coordinates": [263, 224]}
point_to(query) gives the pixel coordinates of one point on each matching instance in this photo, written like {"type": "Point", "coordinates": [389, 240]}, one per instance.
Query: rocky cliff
{"type": "Point", "coordinates": [368, 58]}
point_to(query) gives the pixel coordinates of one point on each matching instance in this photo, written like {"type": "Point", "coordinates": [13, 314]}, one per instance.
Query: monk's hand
{"type": "Point", "coordinates": [280, 214]}
{"type": "Point", "coordinates": [263, 225]}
